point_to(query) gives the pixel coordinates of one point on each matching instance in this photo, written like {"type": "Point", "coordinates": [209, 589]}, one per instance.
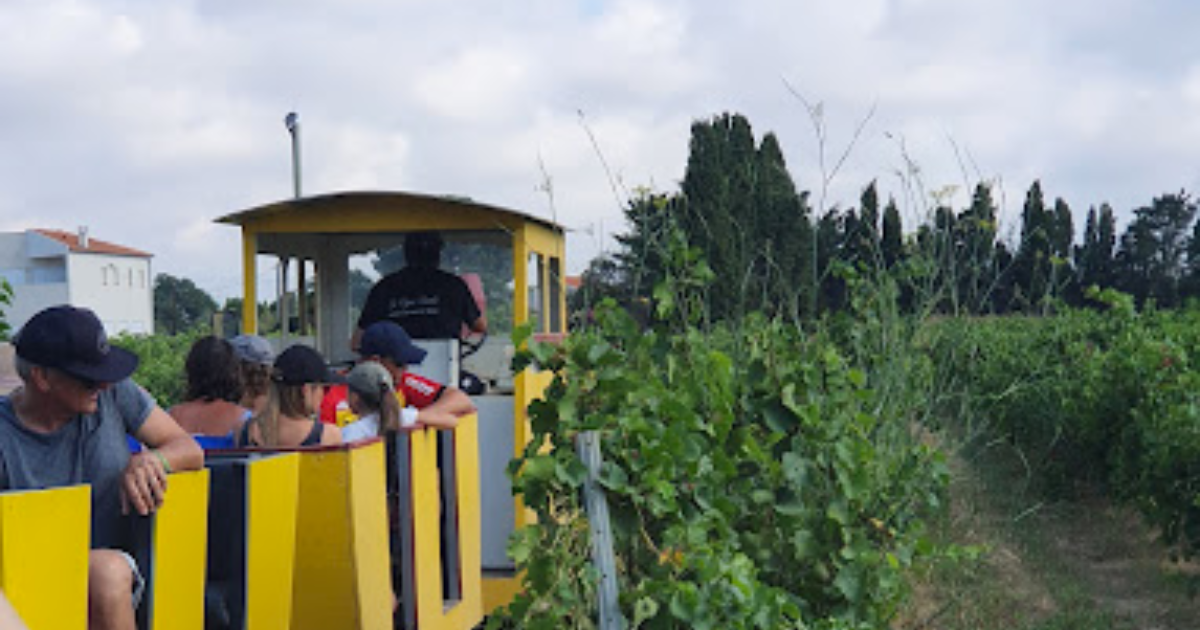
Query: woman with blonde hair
{"type": "Point", "coordinates": [288, 418]}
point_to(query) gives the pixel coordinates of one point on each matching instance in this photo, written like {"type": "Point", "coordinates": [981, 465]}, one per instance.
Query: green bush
{"type": "Point", "coordinates": [1092, 400]}
{"type": "Point", "coordinates": [753, 475]}
{"type": "Point", "coordinates": [160, 370]}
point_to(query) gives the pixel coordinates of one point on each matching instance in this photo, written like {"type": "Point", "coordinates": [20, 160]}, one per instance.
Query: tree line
{"type": "Point", "coordinates": [770, 250]}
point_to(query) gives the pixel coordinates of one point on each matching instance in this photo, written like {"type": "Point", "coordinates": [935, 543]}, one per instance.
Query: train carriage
{"type": "Point", "coordinates": [268, 510]}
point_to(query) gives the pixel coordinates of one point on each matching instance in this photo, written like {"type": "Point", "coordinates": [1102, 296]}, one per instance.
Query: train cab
{"type": "Point", "coordinates": [326, 252]}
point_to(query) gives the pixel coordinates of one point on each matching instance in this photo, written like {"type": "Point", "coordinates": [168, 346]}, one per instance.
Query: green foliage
{"type": "Point", "coordinates": [754, 475]}
{"type": "Point", "coordinates": [741, 209]}
{"type": "Point", "coordinates": [180, 305]}
{"type": "Point", "coordinates": [160, 370]}
{"type": "Point", "coordinates": [1107, 400]}
{"type": "Point", "coordinates": [6, 295]}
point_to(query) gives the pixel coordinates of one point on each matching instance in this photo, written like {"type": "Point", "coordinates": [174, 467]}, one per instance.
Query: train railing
{"type": "Point", "coordinates": [252, 540]}
{"type": "Point", "coordinates": [44, 545]}
{"type": "Point", "coordinates": [438, 518]}
{"type": "Point", "coordinates": [170, 547]}
{"type": "Point", "coordinates": [278, 540]}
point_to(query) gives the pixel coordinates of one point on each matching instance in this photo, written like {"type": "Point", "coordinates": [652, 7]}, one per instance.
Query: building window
{"type": "Point", "coordinates": [47, 275]}
{"type": "Point", "coordinates": [15, 277]}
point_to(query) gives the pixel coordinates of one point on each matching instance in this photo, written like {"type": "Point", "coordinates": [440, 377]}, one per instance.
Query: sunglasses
{"type": "Point", "coordinates": [86, 383]}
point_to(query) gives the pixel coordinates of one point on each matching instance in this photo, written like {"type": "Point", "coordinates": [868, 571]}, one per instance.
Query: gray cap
{"type": "Point", "coordinates": [368, 379]}
{"type": "Point", "coordinates": [253, 349]}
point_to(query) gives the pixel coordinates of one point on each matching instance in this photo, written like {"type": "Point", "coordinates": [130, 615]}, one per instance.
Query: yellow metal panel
{"type": "Point", "coordinates": [542, 240]}
{"type": "Point", "coordinates": [341, 541]}
{"type": "Point", "coordinates": [272, 485]}
{"type": "Point", "coordinates": [499, 592]}
{"type": "Point", "coordinates": [520, 264]}
{"type": "Point", "coordinates": [368, 509]}
{"type": "Point", "coordinates": [529, 384]}
{"type": "Point", "coordinates": [427, 536]}
{"type": "Point", "coordinates": [323, 586]}
{"type": "Point", "coordinates": [249, 282]}
{"type": "Point", "coordinates": [433, 613]}
{"type": "Point", "coordinates": [44, 542]}
{"type": "Point", "coordinates": [426, 216]}
{"type": "Point", "coordinates": [466, 449]}
{"type": "Point", "coordinates": [180, 541]}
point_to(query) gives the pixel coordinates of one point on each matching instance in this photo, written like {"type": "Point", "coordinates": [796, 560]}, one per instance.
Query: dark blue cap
{"type": "Point", "coordinates": [389, 340]}
{"type": "Point", "coordinates": [300, 364]}
{"type": "Point", "coordinates": [72, 340]}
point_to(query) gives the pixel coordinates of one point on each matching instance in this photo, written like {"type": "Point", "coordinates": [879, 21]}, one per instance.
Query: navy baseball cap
{"type": "Point", "coordinates": [300, 364]}
{"type": "Point", "coordinates": [73, 340]}
{"type": "Point", "coordinates": [389, 339]}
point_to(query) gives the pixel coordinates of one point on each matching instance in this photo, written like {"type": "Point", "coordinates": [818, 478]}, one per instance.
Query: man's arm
{"type": "Point", "coordinates": [444, 412]}
{"type": "Point", "coordinates": [479, 326]}
{"type": "Point", "coordinates": [167, 446]}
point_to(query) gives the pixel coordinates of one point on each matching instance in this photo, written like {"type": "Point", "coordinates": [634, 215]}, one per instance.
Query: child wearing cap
{"type": "Point", "coordinates": [297, 385]}
{"type": "Point", "coordinates": [256, 361]}
{"type": "Point", "coordinates": [423, 402]}
{"type": "Point", "coordinates": [371, 396]}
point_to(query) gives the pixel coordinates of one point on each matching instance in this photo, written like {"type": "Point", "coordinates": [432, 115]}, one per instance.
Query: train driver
{"type": "Point", "coordinates": [427, 302]}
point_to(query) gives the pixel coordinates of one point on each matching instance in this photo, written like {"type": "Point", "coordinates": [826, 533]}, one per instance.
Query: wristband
{"type": "Point", "coordinates": [408, 416]}
{"type": "Point", "coordinates": [162, 458]}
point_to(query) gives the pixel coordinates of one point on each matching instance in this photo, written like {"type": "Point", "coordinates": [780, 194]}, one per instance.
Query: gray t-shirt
{"type": "Point", "coordinates": [89, 449]}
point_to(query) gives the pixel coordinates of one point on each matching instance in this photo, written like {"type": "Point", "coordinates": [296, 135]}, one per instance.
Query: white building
{"type": "Point", "coordinates": [51, 267]}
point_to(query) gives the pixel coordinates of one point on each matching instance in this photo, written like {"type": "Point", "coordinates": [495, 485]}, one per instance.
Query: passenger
{"type": "Point", "coordinates": [371, 396]}
{"type": "Point", "coordinates": [297, 387]}
{"type": "Point", "coordinates": [427, 302]}
{"type": "Point", "coordinates": [214, 390]}
{"type": "Point", "coordinates": [68, 423]}
{"type": "Point", "coordinates": [422, 401]}
{"type": "Point", "coordinates": [256, 360]}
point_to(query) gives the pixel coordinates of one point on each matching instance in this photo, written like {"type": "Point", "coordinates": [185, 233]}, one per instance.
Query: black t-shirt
{"type": "Point", "coordinates": [429, 303]}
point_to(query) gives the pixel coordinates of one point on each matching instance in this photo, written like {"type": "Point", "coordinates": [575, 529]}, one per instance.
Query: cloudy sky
{"type": "Point", "coordinates": [147, 119]}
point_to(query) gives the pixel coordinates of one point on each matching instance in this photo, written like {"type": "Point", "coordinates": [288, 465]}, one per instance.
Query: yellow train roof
{"type": "Point", "coordinates": [403, 210]}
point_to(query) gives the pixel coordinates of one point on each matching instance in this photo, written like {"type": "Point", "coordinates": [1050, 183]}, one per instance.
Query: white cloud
{"type": "Point", "coordinates": [146, 119]}
{"type": "Point", "coordinates": [477, 84]}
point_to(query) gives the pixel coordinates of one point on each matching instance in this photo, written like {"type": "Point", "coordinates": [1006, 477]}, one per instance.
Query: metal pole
{"type": "Point", "coordinates": [292, 120]}
{"type": "Point", "coordinates": [587, 446]}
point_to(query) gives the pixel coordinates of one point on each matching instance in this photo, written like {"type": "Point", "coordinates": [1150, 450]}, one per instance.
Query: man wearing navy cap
{"type": "Point", "coordinates": [422, 400]}
{"type": "Point", "coordinates": [67, 424]}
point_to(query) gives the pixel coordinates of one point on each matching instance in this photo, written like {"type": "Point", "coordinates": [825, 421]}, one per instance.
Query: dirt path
{"type": "Point", "coordinates": [1120, 565]}
{"type": "Point", "coordinates": [1083, 564]}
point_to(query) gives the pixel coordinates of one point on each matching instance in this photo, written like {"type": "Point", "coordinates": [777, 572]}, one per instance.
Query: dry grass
{"type": "Point", "coordinates": [1084, 564]}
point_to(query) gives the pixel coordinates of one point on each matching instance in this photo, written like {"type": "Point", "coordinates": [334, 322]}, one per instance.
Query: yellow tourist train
{"type": "Point", "coordinates": [301, 538]}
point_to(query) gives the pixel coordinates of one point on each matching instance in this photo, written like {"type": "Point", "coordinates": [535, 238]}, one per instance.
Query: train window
{"type": "Point", "coordinates": [554, 295]}
{"type": "Point", "coordinates": [485, 254]}
{"type": "Point", "coordinates": [536, 294]}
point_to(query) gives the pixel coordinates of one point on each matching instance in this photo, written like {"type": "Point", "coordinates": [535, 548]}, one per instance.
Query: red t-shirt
{"type": "Point", "coordinates": [413, 389]}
